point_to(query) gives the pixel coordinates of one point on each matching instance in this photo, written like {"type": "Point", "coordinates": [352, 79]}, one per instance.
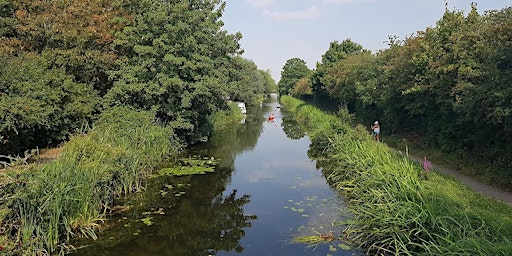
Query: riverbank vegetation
{"type": "Point", "coordinates": [445, 89]}
{"type": "Point", "coordinates": [119, 86]}
{"type": "Point", "coordinates": [397, 208]}
{"type": "Point", "coordinates": [65, 62]}
{"type": "Point", "coordinates": [45, 205]}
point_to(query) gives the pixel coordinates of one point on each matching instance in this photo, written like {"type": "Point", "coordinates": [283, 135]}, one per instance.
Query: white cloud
{"type": "Point", "coordinates": [260, 3]}
{"type": "Point", "coordinates": [308, 13]}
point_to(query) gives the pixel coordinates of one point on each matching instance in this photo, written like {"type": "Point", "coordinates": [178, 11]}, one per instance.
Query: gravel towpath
{"type": "Point", "coordinates": [477, 186]}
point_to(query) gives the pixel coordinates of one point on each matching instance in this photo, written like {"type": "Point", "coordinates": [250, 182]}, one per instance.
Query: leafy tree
{"type": "Point", "coordinates": [173, 59]}
{"type": "Point", "coordinates": [293, 70]}
{"type": "Point", "coordinates": [75, 35]}
{"type": "Point", "coordinates": [340, 51]}
{"type": "Point", "coordinates": [302, 88]}
{"type": "Point", "coordinates": [39, 105]}
{"type": "Point", "coordinates": [347, 79]}
{"type": "Point", "coordinates": [337, 52]}
{"type": "Point", "coordinates": [246, 82]}
{"type": "Point", "coordinates": [270, 84]}
{"type": "Point", "coordinates": [482, 93]}
{"type": "Point", "coordinates": [405, 90]}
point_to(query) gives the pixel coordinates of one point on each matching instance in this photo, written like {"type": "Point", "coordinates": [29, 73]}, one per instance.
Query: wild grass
{"type": "Point", "coordinates": [397, 208]}
{"type": "Point", "coordinates": [51, 203]}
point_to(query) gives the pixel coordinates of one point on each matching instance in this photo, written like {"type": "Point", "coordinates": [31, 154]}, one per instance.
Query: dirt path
{"type": "Point", "coordinates": [474, 184]}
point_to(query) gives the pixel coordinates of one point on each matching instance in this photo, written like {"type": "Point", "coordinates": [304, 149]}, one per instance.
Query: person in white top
{"type": "Point", "coordinates": [376, 130]}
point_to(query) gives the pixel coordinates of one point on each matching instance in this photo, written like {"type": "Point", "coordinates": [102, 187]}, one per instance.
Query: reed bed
{"type": "Point", "coordinates": [46, 205]}
{"type": "Point", "coordinates": [397, 208]}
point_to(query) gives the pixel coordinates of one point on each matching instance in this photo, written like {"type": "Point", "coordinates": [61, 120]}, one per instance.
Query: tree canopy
{"type": "Point", "coordinates": [172, 58]}
{"type": "Point", "coordinates": [293, 70]}
{"type": "Point", "coordinates": [449, 84]}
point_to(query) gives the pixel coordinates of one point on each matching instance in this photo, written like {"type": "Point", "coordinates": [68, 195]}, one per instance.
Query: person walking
{"type": "Point", "coordinates": [376, 130]}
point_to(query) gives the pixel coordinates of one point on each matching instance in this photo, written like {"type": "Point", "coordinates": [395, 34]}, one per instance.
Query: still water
{"type": "Point", "coordinates": [265, 191]}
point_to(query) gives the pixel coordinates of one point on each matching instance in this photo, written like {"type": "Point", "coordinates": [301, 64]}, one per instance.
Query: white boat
{"type": "Point", "coordinates": [241, 105]}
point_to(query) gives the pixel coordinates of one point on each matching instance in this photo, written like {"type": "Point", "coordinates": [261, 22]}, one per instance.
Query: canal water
{"type": "Point", "coordinates": [264, 194]}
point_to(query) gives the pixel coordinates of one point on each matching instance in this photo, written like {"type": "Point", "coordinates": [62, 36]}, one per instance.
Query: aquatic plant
{"type": "Point", "coordinates": [189, 166]}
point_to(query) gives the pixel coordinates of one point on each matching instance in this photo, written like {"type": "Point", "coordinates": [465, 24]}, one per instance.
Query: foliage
{"type": "Point", "coordinates": [448, 85]}
{"type": "Point", "coordinates": [40, 105]}
{"type": "Point", "coordinates": [336, 53]}
{"type": "Point", "coordinates": [270, 84]}
{"type": "Point", "coordinates": [396, 208]}
{"type": "Point", "coordinates": [355, 82]}
{"type": "Point", "coordinates": [246, 82]}
{"type": "Point", "coordinates": [226, 118]}
{"type": "Point", "coordinates": [74, 35]}
{"type": "Point", "coordinates": [340, 51]}
{"type": "Point", "coordinates": [293, 70]}
{"type": "Point", "coordinates": [51, 203]}
{"type": "Point", "coordinates": [302, 88]}
{"type": "Point", "coordinates": [172, 59]}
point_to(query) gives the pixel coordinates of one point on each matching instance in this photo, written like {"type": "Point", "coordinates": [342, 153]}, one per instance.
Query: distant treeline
{"type": "Point", "coordinates": [450, 85]}
{"type": "Point", "coordinates": [66, 61]}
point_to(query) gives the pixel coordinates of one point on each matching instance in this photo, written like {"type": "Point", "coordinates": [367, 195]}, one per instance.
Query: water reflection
{"type": "Point", "coordinates": [292, 129]}
{"type": "Point", "coordinates": [265, 191]}
{"type": "Point", "coordinates": [185, 221]}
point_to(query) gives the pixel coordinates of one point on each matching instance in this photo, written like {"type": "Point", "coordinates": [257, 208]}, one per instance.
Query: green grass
{"type": "Point", "coordinates": [44, 206]}
{"type": "Point", "coordinates": [396, 208]}
{"type": "Point", "coordinates": [481, 170]}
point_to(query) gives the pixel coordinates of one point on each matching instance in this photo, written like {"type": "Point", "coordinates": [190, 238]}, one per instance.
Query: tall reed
{"type": "Point", "coordinates": [66, 198]}
{"type": "Point", "coordinates": [397, 209]}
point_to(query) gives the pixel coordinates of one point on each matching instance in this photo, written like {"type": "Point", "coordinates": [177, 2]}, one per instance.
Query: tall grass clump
{"type": "Point", "coordinates": [54, 202]}
{"type": "Point", "coordinates": [397, 208]}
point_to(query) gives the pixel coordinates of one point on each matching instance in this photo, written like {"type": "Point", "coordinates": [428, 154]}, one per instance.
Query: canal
{"type": "Point", "coordinates": [264, 192]}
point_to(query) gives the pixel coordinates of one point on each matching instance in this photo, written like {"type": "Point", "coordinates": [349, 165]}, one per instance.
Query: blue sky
{"type": "Point", "coordinates": [275, 31]}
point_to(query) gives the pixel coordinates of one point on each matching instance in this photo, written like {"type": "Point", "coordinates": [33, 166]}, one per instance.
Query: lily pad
{"type": "Point", "coordinates": [344, 247]}
{"type": "Point", "coordinates": [147, 221]}
{"type": "Point", "coordinates": [189, 166]}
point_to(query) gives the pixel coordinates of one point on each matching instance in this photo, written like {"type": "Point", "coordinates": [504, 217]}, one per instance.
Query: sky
{"type": "Point", "coordinates": [275, 31]}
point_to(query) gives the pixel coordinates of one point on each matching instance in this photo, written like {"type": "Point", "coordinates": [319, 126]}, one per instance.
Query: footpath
{"type": "Point", "coordinates": [475, 185]}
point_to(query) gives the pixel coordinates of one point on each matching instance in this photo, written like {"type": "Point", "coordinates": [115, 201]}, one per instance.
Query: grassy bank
{"type": "Point", "coordinates": [484, 171]}
{"type": "Point", "coordinates": [397, 208]}
{"type": "Point", "coordinates": [45, 205]}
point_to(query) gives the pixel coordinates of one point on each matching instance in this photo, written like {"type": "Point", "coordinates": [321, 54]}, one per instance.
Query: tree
{"type": "Point", "coordinates": [40, 105]}
{"type": "Point", "coordinates": [337, 52]}
{"type": "Point", "coordinates": [294, 70]}
{"type": "Point", "coordinates": [302, 88]}
{"type": "Point", "coordinates": [74, 35]}
{"type": "Point", "coordinates": [173, 59]}
{"type": "Point", "coordinates": [246, 82]}
{"type": "Point", "coordinates": [270, 84]}
{"type": "Point", "coordinates": [340, 51]}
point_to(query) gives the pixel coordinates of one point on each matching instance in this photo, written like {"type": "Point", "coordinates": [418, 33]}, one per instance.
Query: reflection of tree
{"type": "Point", "coordinates": [291, 127]}
{"type": "Point", "coordinates": [230, 142]}
{"type": "Point", "coordinates": [321, 152]}
{"type": "Point", "coordinates": [203, 220]}
{"type": "Point", "coordinates": [196, 224]}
